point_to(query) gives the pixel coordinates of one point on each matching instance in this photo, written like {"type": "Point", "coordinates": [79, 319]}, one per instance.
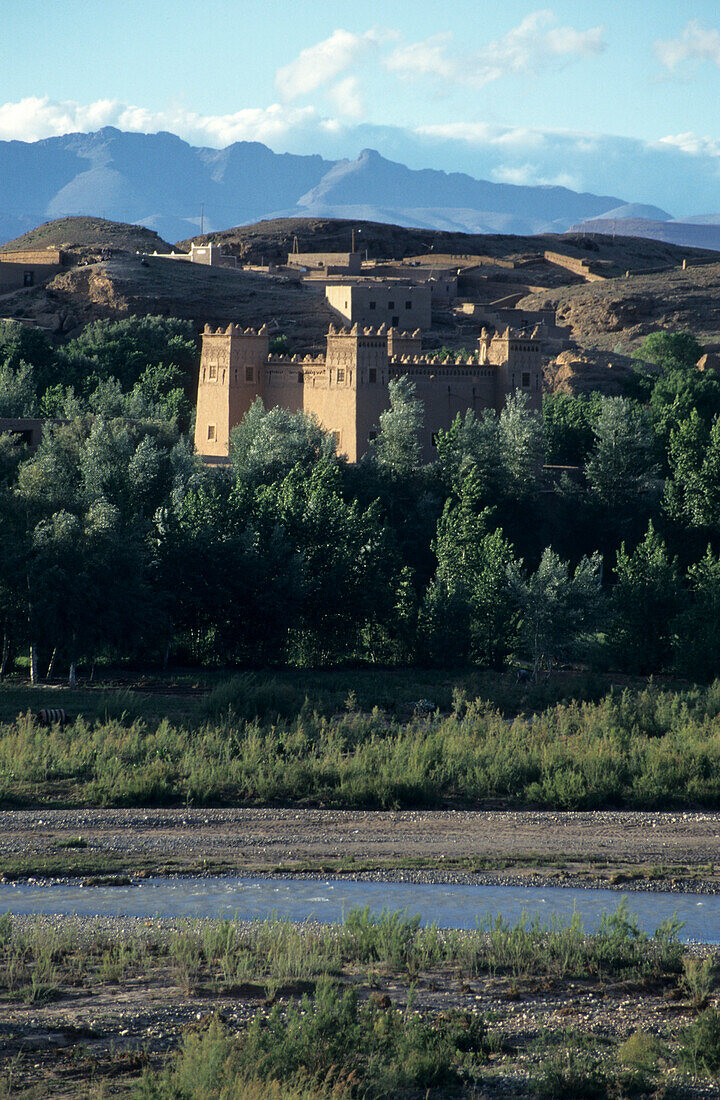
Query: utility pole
{"type": "Point", "coordinates": [202, 217]}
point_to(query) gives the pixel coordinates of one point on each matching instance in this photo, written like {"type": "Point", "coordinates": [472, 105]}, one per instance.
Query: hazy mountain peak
{"type": "Point", "coordinates": [160, 179]}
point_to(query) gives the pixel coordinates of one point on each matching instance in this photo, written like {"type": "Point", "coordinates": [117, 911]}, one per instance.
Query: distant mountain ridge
{"type": "Point", "coordinates": [161, 181]}
{"type": "Point", "coordinates": [692, 233]}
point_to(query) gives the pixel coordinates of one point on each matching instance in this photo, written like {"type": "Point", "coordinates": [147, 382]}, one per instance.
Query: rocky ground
{"type": "Point", "coordinates": [617, 315]}
{"type": "Point", "coordinates": [121, 286]}
{"type": "Point", "coordinates": [668, 850]}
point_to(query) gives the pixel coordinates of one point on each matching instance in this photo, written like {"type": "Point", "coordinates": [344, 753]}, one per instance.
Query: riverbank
{"type": "Point", "coordinates": [622, 850]}
{"type": "Point", "coordinates": [94, 1003]}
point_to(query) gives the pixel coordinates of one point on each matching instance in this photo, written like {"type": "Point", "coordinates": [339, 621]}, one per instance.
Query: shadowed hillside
{"type": "Point", "coordinates": [274, 239]}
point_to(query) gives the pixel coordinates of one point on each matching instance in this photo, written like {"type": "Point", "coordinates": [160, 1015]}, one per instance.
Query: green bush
{"type": "Point", "coordinates": [384, 1050]}
{"type": "Point", "coordinates": [700, 1050]}
{"type": "Point", "coordinates": [573, 1074]}
{"type": "Point", "coordinates": [647, 750]}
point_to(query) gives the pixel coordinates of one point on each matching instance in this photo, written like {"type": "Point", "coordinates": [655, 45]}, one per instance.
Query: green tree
{"type": "Point", "coordinates": [670, 350]}
{"type": "Point", "coordinates": [474, 443]}
{"type": "Point", "coordinates": [467, 612]}
{"type": "Point", "coordinates": [25, 345]}
{"type": "Point", "coordinates": [679, 393]}
{"type": "Point", "coordinates": [621, 471]}
{"type": "Point", "coordinates": [645, 601]}
{"type": "Point", "coordinates": [18, 391]}
{"type": "Point", "coordinates": [558, 608]}
{"type": "Point", "coordinates": [267, 444]}
{"type": "Point", "coordinates": [521, 446]}
{"type": "Point", "coordinates": [125, 350]}
{"type": "Point", "coordinates": [397, 446]}
{"type": "Point", "coordinates": [696, 630]}
{"type": "Point", "coordinates": [568, 423]}
{"type": "Point", "coordinates": [692, 492]}
{"type": "Point", "coordinates": [344, 568]}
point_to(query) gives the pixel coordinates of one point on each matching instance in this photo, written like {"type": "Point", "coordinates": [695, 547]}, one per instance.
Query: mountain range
{"type": "Point", "coordinates": [162, 182]}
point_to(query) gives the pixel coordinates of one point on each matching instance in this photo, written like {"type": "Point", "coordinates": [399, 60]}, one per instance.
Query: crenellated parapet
{"type": "Point", "coordinates": [347, 389]}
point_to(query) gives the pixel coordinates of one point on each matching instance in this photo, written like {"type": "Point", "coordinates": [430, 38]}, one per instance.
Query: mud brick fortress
{"type": "Point", "coordinates": [347, 389]}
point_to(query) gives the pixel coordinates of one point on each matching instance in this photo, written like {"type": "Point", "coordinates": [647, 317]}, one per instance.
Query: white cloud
{"type": "Point", "coordinates": [692, 143]}
{"type": "Point", "coordinates": [536, 43]}
{"type": "Point", "coordinates": [346, 97]}
{"type": "Point", "coordinates": [34, 118]}
{"type": "Point", "coordinates": [321, 63]}
{"type": "Point", "coordinates": [697, 43]}
{"type": "Point", "coordinates": [529, 175]}
{"type": "Point", "coordinates": [483, 133]}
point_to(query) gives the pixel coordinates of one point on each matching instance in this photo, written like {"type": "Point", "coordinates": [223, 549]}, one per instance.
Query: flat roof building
{"type": "Point", "coordinates": [397, 305]}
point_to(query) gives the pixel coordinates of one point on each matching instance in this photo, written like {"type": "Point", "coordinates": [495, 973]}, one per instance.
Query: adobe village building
{"type": "Point", "coordinates": [347, 389]}
{"type": "Point", "coordinates": [400, 306]}
{"type": "Point", "coordinates": [29, 267]}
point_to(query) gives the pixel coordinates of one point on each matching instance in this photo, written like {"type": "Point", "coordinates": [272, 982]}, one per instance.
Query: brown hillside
{"type": "Point", "coordinates": [619, 313]}
{"type": "Point", "coordinates": [273, 240]}
{"type": "Point", "coordinates": [122, 286]}
{"type": "Point", "coordinates": [87, 239]}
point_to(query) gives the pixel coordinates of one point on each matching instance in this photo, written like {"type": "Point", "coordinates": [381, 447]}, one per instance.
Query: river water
{"type": "Point", "coordinates": [449, 906]}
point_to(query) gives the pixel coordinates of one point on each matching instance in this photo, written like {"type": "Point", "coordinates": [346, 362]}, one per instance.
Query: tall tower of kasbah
{"type": "Point", "coordinates": [356, 391]}
{"type": "Point", "coordinates": [518, 362]}
{"type": "Point", "coordinates": [231, 377]}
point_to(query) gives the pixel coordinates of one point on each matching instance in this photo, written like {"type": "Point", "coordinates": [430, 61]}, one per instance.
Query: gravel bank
{"type": "Point", "coordinates": [664, 850]}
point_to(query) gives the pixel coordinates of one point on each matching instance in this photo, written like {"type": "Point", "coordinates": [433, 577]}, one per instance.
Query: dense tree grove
{"type": "Point", "coordinates": [117, 543]}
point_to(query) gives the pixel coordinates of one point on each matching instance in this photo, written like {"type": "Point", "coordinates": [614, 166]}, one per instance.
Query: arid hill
{"type": "Point", "coordinates": [618, 314]}
{"type": "Point", "coordinates": [122, 286]}
{"type": "Point", "coordinates": [106, 278]}
{"type": "Point", "coordinates": [89, 239]}
{"type": "Point", "coordinates": [274, 239]}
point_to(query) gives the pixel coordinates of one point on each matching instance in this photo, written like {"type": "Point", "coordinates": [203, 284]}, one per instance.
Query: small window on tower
{"type": "Point", "coordinates": [371, 305]}
{"type": "Point", "coordinates": [408, 305]}
{"type": "Point", "coordinates": [341, 374]}
{"type": "Point", "coordinates": [211, 432]}
{"type": "Point", "coordinates": [526, 380]}
{"type": "Point", "coordinates": [395, 322]}
{"type": "Point", "coordinates": [248, 374]}
{"type": "Point", "coordinates": [301, 376]}
{"type": "Point", "coordinates": [213, 372]}
{"type": "Point", "coordinates": [372, 374]}
{"type": "Point", "coordinates": [336, 436]}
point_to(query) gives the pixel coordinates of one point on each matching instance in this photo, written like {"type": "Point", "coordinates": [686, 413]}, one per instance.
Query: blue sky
{"type": "Point", "coordinates": [595, 94]}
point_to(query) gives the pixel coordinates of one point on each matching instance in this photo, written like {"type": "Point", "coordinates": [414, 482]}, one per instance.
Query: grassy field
{"type": "Point", "coordinates": [328, 740]}
{"type": "Point", "coordinates": [191, 697]}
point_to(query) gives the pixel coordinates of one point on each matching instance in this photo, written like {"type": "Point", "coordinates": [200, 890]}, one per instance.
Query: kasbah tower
{"type": "Point", "coordinates": [347, 389]}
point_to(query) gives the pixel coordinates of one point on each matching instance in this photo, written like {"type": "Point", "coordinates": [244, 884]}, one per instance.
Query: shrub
{"type": "Point", "coordinates": [382, 1049]}
{"type": "Point", "coordinates": [698, 978]}
{"type": "Point", "coordinates": [700, 1050]}
{"type": "Point", "coordinates": [573, 1074]}
{"type": "Point", "coordinates": [640, 1052]}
